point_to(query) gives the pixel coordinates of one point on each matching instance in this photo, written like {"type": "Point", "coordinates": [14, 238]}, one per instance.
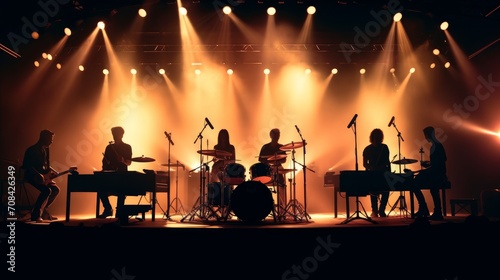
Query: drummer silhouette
{"type": "Point", "coordinates": [223, 144]}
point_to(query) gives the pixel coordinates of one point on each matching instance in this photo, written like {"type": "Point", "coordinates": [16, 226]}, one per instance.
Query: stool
{"type": "Point", "coordinates": [462, 204]}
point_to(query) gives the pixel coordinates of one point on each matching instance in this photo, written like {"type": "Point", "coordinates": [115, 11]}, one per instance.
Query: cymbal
{"type": "Point", "coordinates": [284, 171]}
{"type": "Point", "coordinates": [276, 157]}
{"type": "Point", "coordinates": [405, 161]}
{"type": "Point", "coordinates": [292, 145]}
{"type": "Point", "coordinates": [142, 159]}
{"type": "Point", "coordinates": [173, 164]}
{"type": "Point", "coordinates": [215, 153]}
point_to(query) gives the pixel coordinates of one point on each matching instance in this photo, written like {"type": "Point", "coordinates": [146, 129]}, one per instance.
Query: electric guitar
{"type": "Point", "coordinates": [47, 178]}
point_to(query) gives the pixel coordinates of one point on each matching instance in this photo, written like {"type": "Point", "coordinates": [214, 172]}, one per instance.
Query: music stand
{"type": "Point", "coordinates": [356, 214]}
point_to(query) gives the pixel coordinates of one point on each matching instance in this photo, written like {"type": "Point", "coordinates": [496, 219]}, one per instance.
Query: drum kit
{"type": "Point", "coordinates": [249, 200]}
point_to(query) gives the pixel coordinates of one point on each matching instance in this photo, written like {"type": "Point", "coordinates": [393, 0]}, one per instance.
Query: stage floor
{"type": "Point", "coordinates": [323, 247]}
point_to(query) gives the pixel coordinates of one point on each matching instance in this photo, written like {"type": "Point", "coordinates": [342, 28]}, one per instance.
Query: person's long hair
{"type": "Point", "coordinates": [223, 138]}
{"type": "Point", "coordinates": [377, 136]}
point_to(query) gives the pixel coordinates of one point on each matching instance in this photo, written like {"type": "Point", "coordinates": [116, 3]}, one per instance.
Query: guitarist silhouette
{"type": "Point", "coordinates": [39, 173]}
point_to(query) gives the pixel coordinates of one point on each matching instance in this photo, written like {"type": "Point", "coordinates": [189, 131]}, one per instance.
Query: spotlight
{"type": "Point", "coordinates": [267, 71]}
{"type": "Point", "coordinates": [183, 11]}
{"type": "Point", "coordinates": [397, 17]}
{"type": "Point", "coordinates": [435, 51]}
{"type": "Point", "coordinates": [36, 63]}
{"type": "Point", "coordinates": [311, 10]}
{"type": "Point", "coordinates": [271, 11]}
{"type": "Point", "coordinates": [142, 13]}
{"type": "Point", "coordinates": [226, 10]}
{"type": "Point", "coordinates": [362, 71]}
{"type": "Point", "coordinates": [230, 71]}
{"type": "Point", "coordinates": [392, 70]}
{"type": "Point", "coordinates": [101, 25]}
{"type": "Point", "coordinates": [49, 56]}
{"type": "Point", "coordinates": [335, 71]}
{"type": "Point", "coordinates": [67, 31]}
{"type": "Point", "coordinates": [412, 70]}
{"type": "Point", "coordinates": [35, 35]}
{"type": "Point", "coordinates": [444, 25]}
{"type": "Point", "coordinates": [197, 71]}
{"type": "Point", "coordinates": [133, 71]}
{"type": "Point", "coordinates": [308, 71]}
{"type": "Point", "coordinates": [447, 65]}
{"type": "Point", "coordinates": [161, 71]}
{"type": "Point", "coordinates": [433, 65]}
{"type": "Point", "coordinates": [105, 71]}
{"type": "Point", "coordinates": [44, 55]}
{"type": "Point", "coordinates": [58, 66]}
{"type": "Point", "coordinates": [81, 68]}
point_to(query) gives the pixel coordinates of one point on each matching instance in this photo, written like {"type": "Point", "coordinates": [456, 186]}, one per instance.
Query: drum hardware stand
{"type": "Point", "coordinates": [304, 169]}
{"type": "Point", "coordinates": [202, 208]}
{"type": "Point", "coordinates": [298, 210]}
{"type": "Point", "coordinates": [355, 215]}
{"type": "Point", "coordinates": [401, 199]}
{"type": "Point", "coordinates": [177, 201]}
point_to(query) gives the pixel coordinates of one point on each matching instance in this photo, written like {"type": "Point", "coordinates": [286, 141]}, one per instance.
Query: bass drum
{"type": "Point", "coordinates": [252, 201]}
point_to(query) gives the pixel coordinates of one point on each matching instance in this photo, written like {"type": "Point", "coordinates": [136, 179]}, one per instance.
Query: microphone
{"type": "Point", "coordinates": [298, 130]}
{"type": "Point", "coordinates": [169, 139]}
{"type": "Point", "coordinates": [209, 124]}
{"type": "Point", "coordinates": [392, 121]}
{"type": "Point", "coordinates": [352, 121]}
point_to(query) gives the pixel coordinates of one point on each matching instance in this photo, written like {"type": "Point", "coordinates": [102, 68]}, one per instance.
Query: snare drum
{"type": "Point", "coordinates": [234, 174]}
{"type": "Point", "coordinates": [261, 172]}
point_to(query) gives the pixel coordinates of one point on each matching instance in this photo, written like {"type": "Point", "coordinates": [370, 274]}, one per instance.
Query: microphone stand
{"type": "Point", "coordinates": [304, 170]}
{"type": "Point", "coordinates": [170, 143]}
{"type": "Point", "coordinates": [203, 168]}
{"type": "Point", "coordinates": [356, 215]}
{"type": "Point", "coordinates": [401, 199]}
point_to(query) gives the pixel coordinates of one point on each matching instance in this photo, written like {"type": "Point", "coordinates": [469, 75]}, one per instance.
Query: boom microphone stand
{"type": "Point", "coordinates": [401, 199]}
{"type": "Point", "coordinates": [170, 143]}
{"type": "Point", "coordinates": [202, 207]}
{"type": "Point", "coordinates": [356, 214]}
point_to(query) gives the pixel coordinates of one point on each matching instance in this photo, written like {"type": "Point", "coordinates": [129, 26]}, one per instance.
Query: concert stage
{"type": "Point", "coordinates": [322, 247]}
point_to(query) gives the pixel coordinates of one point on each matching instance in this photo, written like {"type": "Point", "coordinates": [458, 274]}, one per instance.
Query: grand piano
{"type": "Point", "coordinates": [129, 183]}
{"type": "Point", "coordinates": [363, 182]}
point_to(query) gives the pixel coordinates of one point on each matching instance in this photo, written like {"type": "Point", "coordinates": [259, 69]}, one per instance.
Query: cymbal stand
{"type": "Point", "coordinates": [304, 169]}
{"type": "Point", "coordinates": [297, 208]}
{"type": "Point", "coordinates": [176, 208]}
{"type": "Point", "coordinates": [356, 214]}
{"type": "Point", "coordinates": [401, 201]}
{"type": "Point", "coordinates": [203, 208]}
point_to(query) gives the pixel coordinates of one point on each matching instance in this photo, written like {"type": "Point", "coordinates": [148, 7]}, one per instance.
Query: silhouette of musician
{"type": "Point", "coordinates": [36, 165]}
{"type": "Point", "coordinates": [376, 157]}
{"type": "Point", "coordinates": [117, 157]}
{"type": "Point", "coordinates": [433, 176]}
{"type": "Point", "coordinates": [223, 144]}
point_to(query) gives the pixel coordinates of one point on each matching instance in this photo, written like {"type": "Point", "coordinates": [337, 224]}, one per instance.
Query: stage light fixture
{"type": "Point", "coordinates": [58, 66]}
{"type": "Point", "coordinates": [447, 65]}
{"type": "Point", "coordinates": [397, 17]}
{"type": "Point", "coordinates": [183, 11]}
{"type": "Point", "coordinates": [392, 70]}
{"type": "Point", "coordinates": [308, 71]}
{"type": "Point", "coordinates": [311, 10]}
{"type": "Point", "coordinates": [161, 71]}
{"type": "Point", "coordinates": [197, 72]}
{"type": "Point", "coordinates": [133, 71]}
{"type": "Point", "coordinates": [35, 35]}
{"type": "Point", "coordinates": [267, 71]}
{"type": "Point", "coordinates": [433, 65]}
{"type": "Point", "coordinates": [412, 70]}
{"type": "Point", "coordinates": [444, 25]}
{"type": "Point", "coordinates": [271, 11]}
{"type": "Point", "coordinates": [67, 31]}
{"type": "Point", "coordinates": [101, 25]}
{"type": "Point", "coordinates": [362, 71]}
{"type": "Point", "coordinates": [142, 13]}
{"type": "Point", "coordinates": [335, 71]}
{"type": "Point", "coordinates": [81, 68]}
{"type": "Point", "coordinates": [226, 10]}
{"type": "Point", "coordinates": [230, 71]}
{"type": "Point", "coordinates": [36, 63]}
{"type": "Point", "coordinates": [105, 71]}
{"type": "Point", "coordinates": [436, 51]}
